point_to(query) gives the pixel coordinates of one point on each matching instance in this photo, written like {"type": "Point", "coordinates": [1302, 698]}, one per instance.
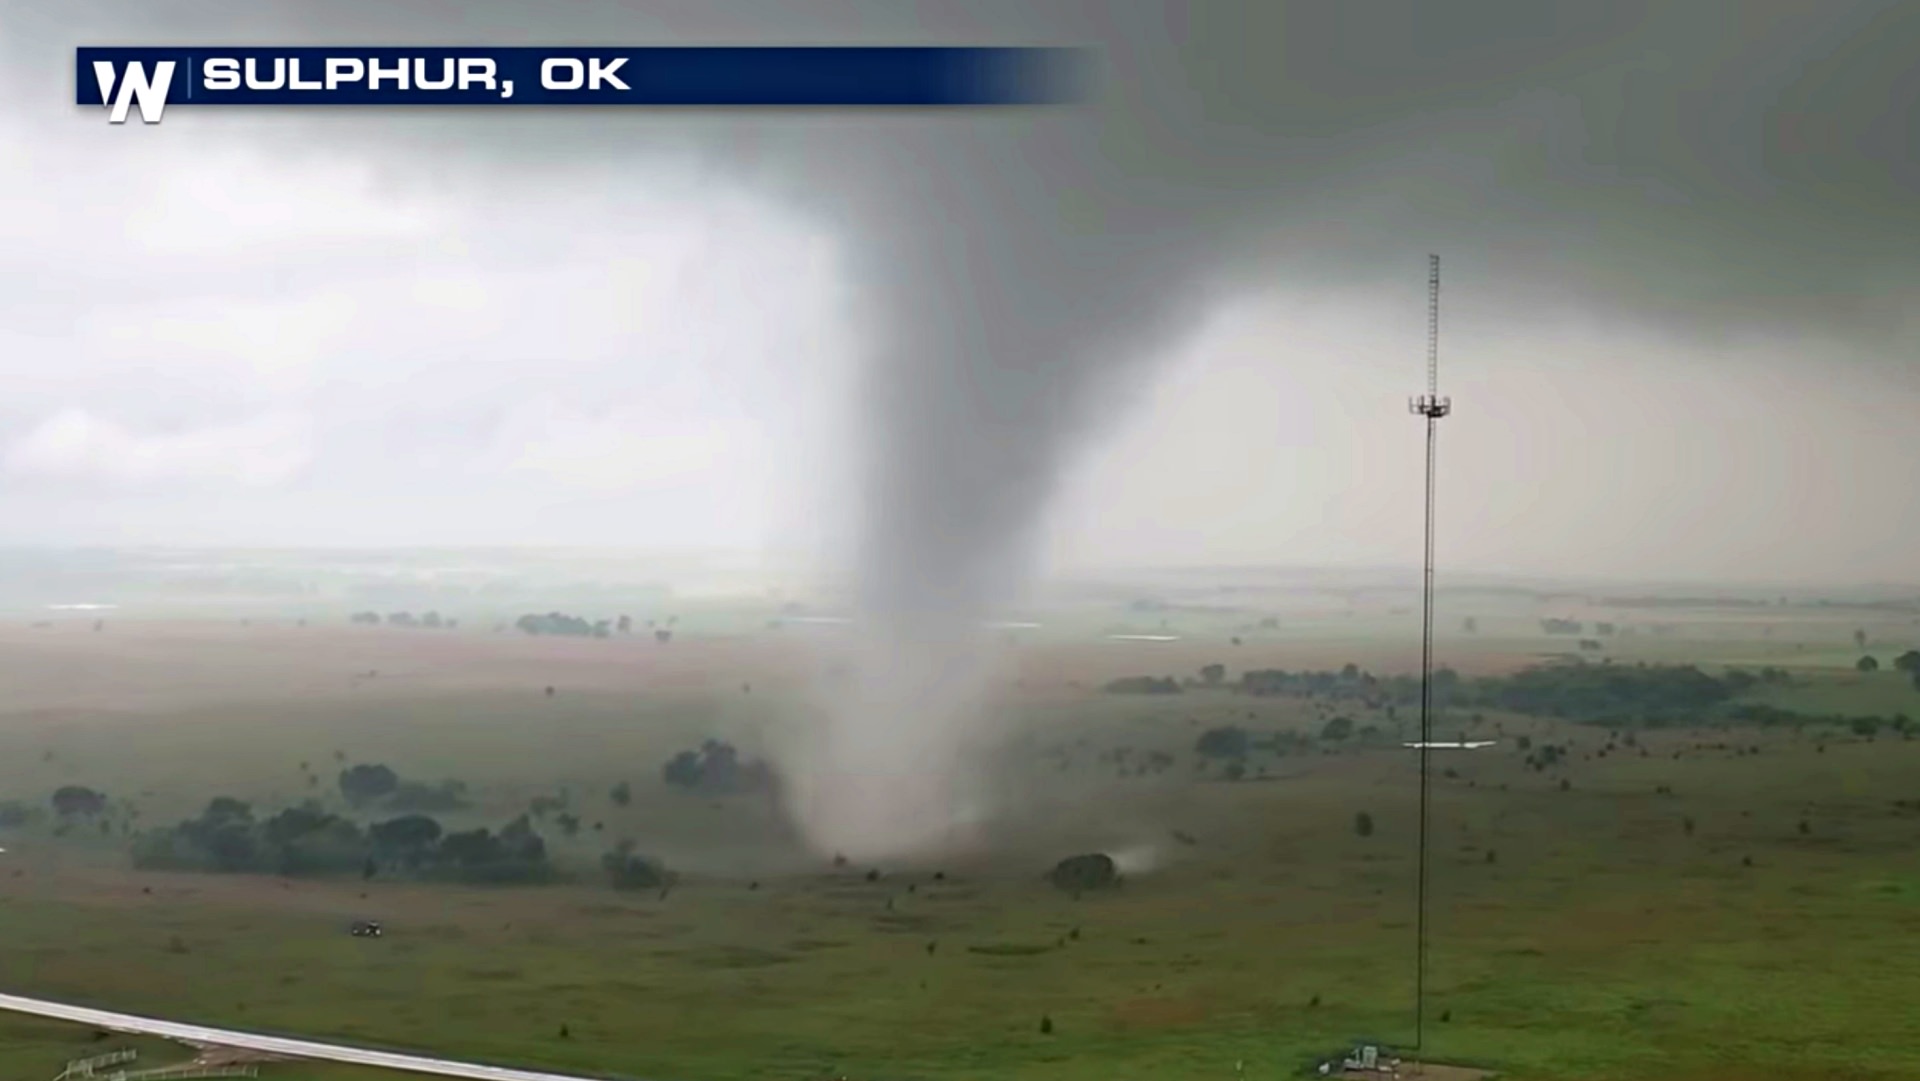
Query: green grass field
{"type": "Point", "coordinates": [1757, 922]}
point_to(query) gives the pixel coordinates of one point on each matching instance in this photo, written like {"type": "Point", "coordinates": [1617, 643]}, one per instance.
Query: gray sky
{"type": "Point", "coordinates": [1178, 325]}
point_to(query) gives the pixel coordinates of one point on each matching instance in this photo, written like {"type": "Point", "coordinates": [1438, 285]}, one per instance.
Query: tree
{"type": "Point", "coordinates": [627, 870]}
{"type": "Point", "coordinates": [223, 838]}
{"type": "Point", "coordinates": [683, 770]}
{"type": "Point", "coordinates": [292, 824]}
{"type": "Point", "coordinates": [1227, 741]}
{"type": "Point", "coordinates": [521, 842]}
{"type": "Point", "coordinates": [1143, 685]}
{"type": "Point", "coordinates": [448, 795]}
{"type": "Point", "coordinates": [470, 848]}
{"type": "Point", "coordinates": [78, 801]}
{"type": "Point", "coordinates": [407, 840]}
{"type": "Point", "coordinates": [366, 783]}
{"type": "Point", "coordinates": [1860, 639]}
{"type": "Point", "coordinates": [1867, 664]}
{"type": "Point", "coordinates": [1093, 871]}
{"type": "Point", "coordinates": [1338, 728]}
{"type": "Point", "coordinates": [621, 795]}
{"type": "Point", "coordinates": [1470, 625]}
{"type": "Point", "coordinates": [1363, 824]}
{"type": "Point", "coordinates": [515, 854]}
{"type": "Point", "coordinates": [1213, 674]}
{"type": "Point", "coordinates": [1908, 661]}
{"type": "Point", "coordinates": [554, 623]}
{"type": "Point", "coordinates": [716, 768]}
{"type": "Point", "coordinates": [307, 840]}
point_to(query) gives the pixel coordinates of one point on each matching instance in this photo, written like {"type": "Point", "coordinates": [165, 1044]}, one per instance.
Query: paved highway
{"type": "Point", "coordinates": [272, 1045]}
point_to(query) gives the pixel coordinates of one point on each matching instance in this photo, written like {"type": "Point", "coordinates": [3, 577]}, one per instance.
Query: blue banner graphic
{"type": "Point", "coordinates": [146, 80]}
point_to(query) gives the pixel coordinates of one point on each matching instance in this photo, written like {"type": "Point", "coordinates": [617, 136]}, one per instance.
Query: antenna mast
{"type": "Point", "coordinates": [1430, 406]}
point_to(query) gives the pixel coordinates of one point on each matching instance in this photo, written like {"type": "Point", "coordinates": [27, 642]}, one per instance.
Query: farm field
{"type": "Point", "coordinates": [1702, 900]}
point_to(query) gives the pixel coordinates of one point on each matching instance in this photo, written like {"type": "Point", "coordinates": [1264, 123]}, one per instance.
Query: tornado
{"type": "Point", "coordinates": [1001, 336]}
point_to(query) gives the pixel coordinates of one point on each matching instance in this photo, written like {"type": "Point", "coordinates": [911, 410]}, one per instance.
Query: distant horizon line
{"type": "Point", "coordinates": [1465, 577]}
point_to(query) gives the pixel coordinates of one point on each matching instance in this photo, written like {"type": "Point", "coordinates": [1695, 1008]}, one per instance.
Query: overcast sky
{"type": "Point", "coordinates": [1682, 247]}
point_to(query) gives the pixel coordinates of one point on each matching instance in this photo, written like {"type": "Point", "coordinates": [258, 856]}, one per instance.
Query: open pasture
{"type": "Point", "coordinates": [1691, 902]}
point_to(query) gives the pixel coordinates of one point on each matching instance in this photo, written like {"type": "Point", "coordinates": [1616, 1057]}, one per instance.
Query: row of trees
{"type": "Point", "coordinates": [716, 768]}
{"type": "Point", "coordinates": [375, 784]}
{"type": "Point", "coordinates": [1234, 743]}
{"type": "Point", "coordinates": [1350, 682]}
{"type": "Point", "coordinates": [431, 621]}
{"type": "Point", "coordinates": [579, 627]}
{"type": "Point", "coordinates": [1601, 692]}
{"type": "Point", "coordinates": [310, 841]}
{"type": "Point", "coordinates": [561, 623]}
{"type": "Point", "coordinates": [1763, 715]}
{"type": "Point", "coordinates": [71, 808]}
{"type": "Point", "coordinates": [1144, 685]}
{"type": "Point", "coordinates": [1581, 692]}
{"type": "Point", "coordinates": [532, 623]}
{"type": "Point", "coordinates": [1212, 675]}
{"type": "Point", "coordinates": [1641, 693]}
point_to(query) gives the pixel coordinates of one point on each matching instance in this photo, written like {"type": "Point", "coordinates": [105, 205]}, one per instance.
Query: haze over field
{"type": "Point", "coordinates": [949, 352]}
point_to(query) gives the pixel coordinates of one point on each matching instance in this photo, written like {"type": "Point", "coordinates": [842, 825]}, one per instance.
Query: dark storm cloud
{"type": "Point", "coordinates": [1707, 150]}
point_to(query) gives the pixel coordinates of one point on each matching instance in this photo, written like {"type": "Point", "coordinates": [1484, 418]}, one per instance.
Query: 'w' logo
{"type": "Point", "coordinates": [134, 88]}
